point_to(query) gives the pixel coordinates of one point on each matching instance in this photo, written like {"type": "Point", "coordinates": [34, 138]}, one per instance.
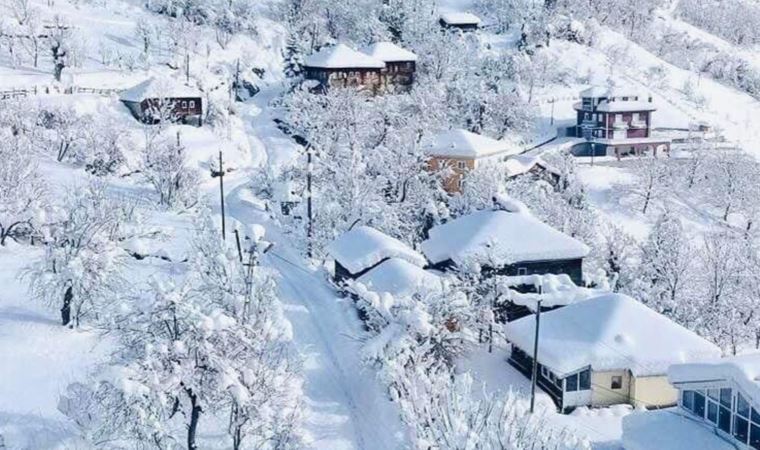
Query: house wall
{"type": "Point", "coordinates": [372, 80]}
{"type": "Point", "coordinates": [451, 183]}
{"type": "Point", "coordinates": [653, 391]}
{"type": "Point", "coordinates": [602, 393]}
{"type": "Point", "coordinates": [181, 110]}
{"type": "Point", "coordinates": [398, 76]}
{"type": "Point", "coordinates": [572, 267]}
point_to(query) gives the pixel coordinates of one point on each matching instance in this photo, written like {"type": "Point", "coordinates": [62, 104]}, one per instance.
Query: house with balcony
{"type": "Point", "coordinates": [606, 350]}
{"type": "Point", "coordinates": [400, 65]}
{"type": "Point", "coordinates": [616, 122]}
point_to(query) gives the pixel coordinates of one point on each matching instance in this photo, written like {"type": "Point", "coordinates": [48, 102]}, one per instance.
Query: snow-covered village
{"type": "Point", "coordinates": [379, 224]}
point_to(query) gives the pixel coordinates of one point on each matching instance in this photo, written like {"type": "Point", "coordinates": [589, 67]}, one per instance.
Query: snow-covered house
{"type": "Point", "coordinates": [534, 165]}
{"type": "Point", "coordinates": [157, 99]}
{"type": "Point", "coordinates": [400, 65]}
{"type": "Point", "coordinates": [616, 121]}
{"type": "Point", "coordinates": [505, 243]}
{"type": "Point", "coordinates": [606, 350]}
{"type": "Point", "coordinates": [465, 21]}
{"type": "Point", "coordinates": [342, 66]}
{"type": "Point", "coordinates": [461, 151]}
{"type": "Point", "coordinates": [722, 395]}
{"type": "Point", "coordinates": [381, 67]}
{"type": "Point", "coordinates": [400, 278]}
{"type": "Point", "coordinates": [360, 249]}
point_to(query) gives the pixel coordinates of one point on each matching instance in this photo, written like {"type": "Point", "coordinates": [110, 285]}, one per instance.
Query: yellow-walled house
{"type": "Point", "coordinates": [460, 152]}
{"type": "Point", "coordinates": [607, 350]}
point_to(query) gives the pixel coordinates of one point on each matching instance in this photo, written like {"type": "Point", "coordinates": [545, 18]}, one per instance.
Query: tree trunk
{"type": "Point", "coordinates": [195, 415]}
{"type": "Point", "coordinates": [68, 297]}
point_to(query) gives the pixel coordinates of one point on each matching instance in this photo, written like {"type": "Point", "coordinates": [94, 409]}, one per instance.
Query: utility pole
{"type": "Point", "coordinates": [221, 193]}
{"type": "Point", "coordinates": [534, 376]}
{"type": "Point", "coordinates": [310, 224]}
{"type": "Point", "coordinates": [552, 119]}
{"type": "Point", "coordinates": [187, 68]}
{"type": "Point", "coordinates": [239, 248]}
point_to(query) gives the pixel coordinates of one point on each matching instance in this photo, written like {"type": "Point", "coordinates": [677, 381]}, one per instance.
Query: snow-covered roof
{"type": "Point", "coordinates": [363, 247]}
{"type": "Point", "coordinates": [400, 279]}
{"type": "Point", "coordinates": [460, 18]}
{"type": "Point", "coordinates": [506, 237]}
{"type": "Point", "coordinates": [155, 87]}
{"type": "Point", "coordinates": [460, 143]}
{"type": "Point", "coordinates": [556, 290]}
{"type": "Point", "coordinates": [620, 90]}
{"type": "Point", "coordinates": [389, 52]}
{"type": "Point", "coordinates": [744, 370]}
{"type": "Point", "coordinates": [625, 106]}
{"type": "Point", "coordinates": [342, 56]}
{"type": "Point", "coordinates": [520, 164]}
{"type": "Point", "coordinates": [669, 429]}
{"type": "Point", "coordinates": [609, 332]}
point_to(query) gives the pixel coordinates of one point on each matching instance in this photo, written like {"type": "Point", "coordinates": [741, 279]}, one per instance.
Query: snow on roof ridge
{"type": "Point", "coordinates": [159, 87]}
{"type": "Point", "coordinates": [341, 56]}
{"type": "Point", "coordinates": [363, 247]}
{"type": "Point", "coordinates": [613, 90]}
{"type": "Point", "coordinates": [506, 237]}
{"type": "Point", "coordinates": [610, 332]}
{"type": "Point", "coordinates": [388, 52]}
{"type": "Point", "coordinates": [458, 142]}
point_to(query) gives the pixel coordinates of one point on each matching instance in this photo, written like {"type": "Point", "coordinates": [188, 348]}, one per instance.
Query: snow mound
{"type": "Point", "coordinates": [364, 247]}
{"type": "Point", "coordinates": [400, 279]}
{"type": "Point", "coordinates": [669, 430]}
{"type": "Point", "coordinates": [342, 56]}
{"type": "Point", "coordinates": [502, 236]}
{"type": "Point", "coordinates": [610, 332]}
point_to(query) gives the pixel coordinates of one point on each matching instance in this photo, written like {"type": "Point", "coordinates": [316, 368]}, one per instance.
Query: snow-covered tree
{"type": "Point", "coordinates": [23, 196]}
{"type": "Point", "coordinates": [80, 270]}
{"type": "Point", "coordinates": [654, 178]}
{"type": "Point", "coordinates": [164, 166]}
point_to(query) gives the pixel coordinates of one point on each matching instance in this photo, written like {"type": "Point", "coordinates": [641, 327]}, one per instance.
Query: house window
{"type": "Point", "coordinates": [616, 382]}
{"type": "Point", "coordinates": [522, 271]}
{"type": "Point", "coordinates": [584, 380]}
{"type": "Point", "coordinates": [460, 183]}
{"type": "Point", "coordinates": [184, 103]}
{"type": "Point", "coordinates": [461, 165]}
{"type": "Point", "coordinates": [571, 383]}
{"type": "Point", "coordinates": [192, 103]}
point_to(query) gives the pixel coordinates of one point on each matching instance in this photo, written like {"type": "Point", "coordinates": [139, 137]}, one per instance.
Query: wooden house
{"type": "Point", "coordinates": [163, 99]}
{"type": "Point", "coordinates": [505, 243]}
{"type": "Point", "coordinates": [400, 65]}
{"type": "Point", "coordinates": [340, 66]}
{"type": "Point", "coordinates": [460, 151]}
{"type": "Point", "coordinates": [607, 350]}
{"type": "Point", "coordinates": [360, 249]}
{"type": "Point", "coordinates": [532, 165]}
{"type": "Point", "coordinates": [616, 122]}
{"type": "Point", "coordinates": [464, 21]}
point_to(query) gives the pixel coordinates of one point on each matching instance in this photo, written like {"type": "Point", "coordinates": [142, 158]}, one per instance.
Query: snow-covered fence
{"type": "Point", "coordinates": [6, 94]}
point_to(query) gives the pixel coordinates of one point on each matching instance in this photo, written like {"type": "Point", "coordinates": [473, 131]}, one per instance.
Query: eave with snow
{"type": "Point", "coordinates": [360, 249]}
{"type": "Point", "coordinates": [505, 243]}
{"type": "Point", "coordinates": [606, 350]}
{"type": "Point", "coordinates": [379, 68]}
{"type": "Point", "coordinates": [531, 165]}
{"type": "Point", "coordinates": [617, 121]}
{"type": "Point", "coordinates": [722, 395]}
{"type": "Point", "coordinates": [157, 98]}
{"type": "Point", "coordinates": [460, 151]}
{"type": "Point", "coordinates": [401, 279]}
